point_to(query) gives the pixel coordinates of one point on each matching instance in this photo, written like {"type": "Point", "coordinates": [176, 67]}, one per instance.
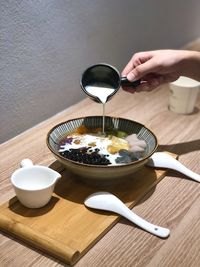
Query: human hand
{"type": "Point", "coordinates": [154, 68]}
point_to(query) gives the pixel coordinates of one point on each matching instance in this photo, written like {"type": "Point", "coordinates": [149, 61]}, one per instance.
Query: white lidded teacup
{"type": "Point", "coordinates": [34, 184]}
{"type": "Point", "coordinates": [183, 95]}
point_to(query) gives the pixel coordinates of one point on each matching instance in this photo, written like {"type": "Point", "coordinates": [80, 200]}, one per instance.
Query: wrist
{"type": "Point", "coordinates": [191, 64]}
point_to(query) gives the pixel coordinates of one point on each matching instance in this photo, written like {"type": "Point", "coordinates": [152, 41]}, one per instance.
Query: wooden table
{"type": "Point", "coordinates": [175, 203]}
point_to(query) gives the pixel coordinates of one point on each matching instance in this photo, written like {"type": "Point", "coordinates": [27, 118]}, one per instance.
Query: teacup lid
{"type": "Point", "coordinates": [183, 81]}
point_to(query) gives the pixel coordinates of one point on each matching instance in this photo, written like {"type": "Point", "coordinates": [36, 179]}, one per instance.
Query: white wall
{"type": "Point", "coordinates": [45, 45]}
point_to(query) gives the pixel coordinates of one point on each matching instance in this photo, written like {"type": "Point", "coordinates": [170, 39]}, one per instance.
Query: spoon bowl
{"type": "Point", "coordinates": [109, 202]}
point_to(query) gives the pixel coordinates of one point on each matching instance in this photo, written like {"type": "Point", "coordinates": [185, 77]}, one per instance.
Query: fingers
{"type": "Point", "coordinates": [136, 60]}
{"type": "Point", "coordinates": [153, 68]}
{"type": "Point", "coordinates": [129, 67]}
{"type": "Point", "coordinates": [143, 69]}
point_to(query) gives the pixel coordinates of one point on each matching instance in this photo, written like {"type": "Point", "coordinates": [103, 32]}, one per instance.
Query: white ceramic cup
{"type": "Point", "coordinates": [34, 184]}
{"type": "Point", "coordinates": [183, 95]}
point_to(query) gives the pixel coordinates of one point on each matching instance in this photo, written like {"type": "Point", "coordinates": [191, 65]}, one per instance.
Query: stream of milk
{"type": "Point", "coordinates": [102, 93]}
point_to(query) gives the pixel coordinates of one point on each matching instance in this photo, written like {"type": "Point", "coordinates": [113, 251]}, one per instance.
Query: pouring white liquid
{"type": "Point", "coordinates": [102, 93]}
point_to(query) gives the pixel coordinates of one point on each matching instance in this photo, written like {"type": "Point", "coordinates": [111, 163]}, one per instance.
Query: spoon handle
{"type": "Point", "coordinates": [164, 160]}
{"type": "Point", "coordinates": [181, 168]}
{"type": "Point", "coordinates": [149, 227]}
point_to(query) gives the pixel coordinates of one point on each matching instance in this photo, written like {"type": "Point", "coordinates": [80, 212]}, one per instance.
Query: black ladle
{"type": "Point", "coordinates": [104, 75]}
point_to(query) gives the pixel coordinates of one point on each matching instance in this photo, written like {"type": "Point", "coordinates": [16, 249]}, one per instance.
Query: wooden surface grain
{"type": "Point", "coordinates": [173, 203]}
{"type": "Point", "coordinates": [72, 228]}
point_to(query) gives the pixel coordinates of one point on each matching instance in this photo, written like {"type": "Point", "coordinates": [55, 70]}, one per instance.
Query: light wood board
{"type": "Point", "coordinates": [65, 228]}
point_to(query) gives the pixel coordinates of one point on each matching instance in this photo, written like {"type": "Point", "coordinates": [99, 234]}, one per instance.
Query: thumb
{"type": "Point", "coordinates": [141, 70]}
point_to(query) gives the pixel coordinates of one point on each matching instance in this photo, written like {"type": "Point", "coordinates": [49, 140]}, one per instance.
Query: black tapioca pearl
{"type": "Point", "coordinates": [82, 155]}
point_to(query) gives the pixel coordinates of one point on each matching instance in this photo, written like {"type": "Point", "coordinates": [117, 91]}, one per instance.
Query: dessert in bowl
{"type": "Point", "coordinates": [80, 145]}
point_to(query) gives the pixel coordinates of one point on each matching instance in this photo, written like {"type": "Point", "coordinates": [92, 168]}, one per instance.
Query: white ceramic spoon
{"type": "Point", "coordinates": [164, 160]}
{"type": "Point", "coordinates": [109, 202]}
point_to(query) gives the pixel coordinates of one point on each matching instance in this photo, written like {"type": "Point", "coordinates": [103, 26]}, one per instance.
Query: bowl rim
{"type": "Point", "coordinates": [100, 166]}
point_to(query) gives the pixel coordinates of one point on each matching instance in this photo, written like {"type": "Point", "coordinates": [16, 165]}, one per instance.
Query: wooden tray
{"type": "Point", "coordinates": [65, 228]}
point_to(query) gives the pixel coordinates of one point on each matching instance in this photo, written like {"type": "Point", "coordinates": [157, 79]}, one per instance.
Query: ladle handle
{"type": "Point", "coordinates": [126, 83]}
{"type": "Point", "coordinates": [149, 227]}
